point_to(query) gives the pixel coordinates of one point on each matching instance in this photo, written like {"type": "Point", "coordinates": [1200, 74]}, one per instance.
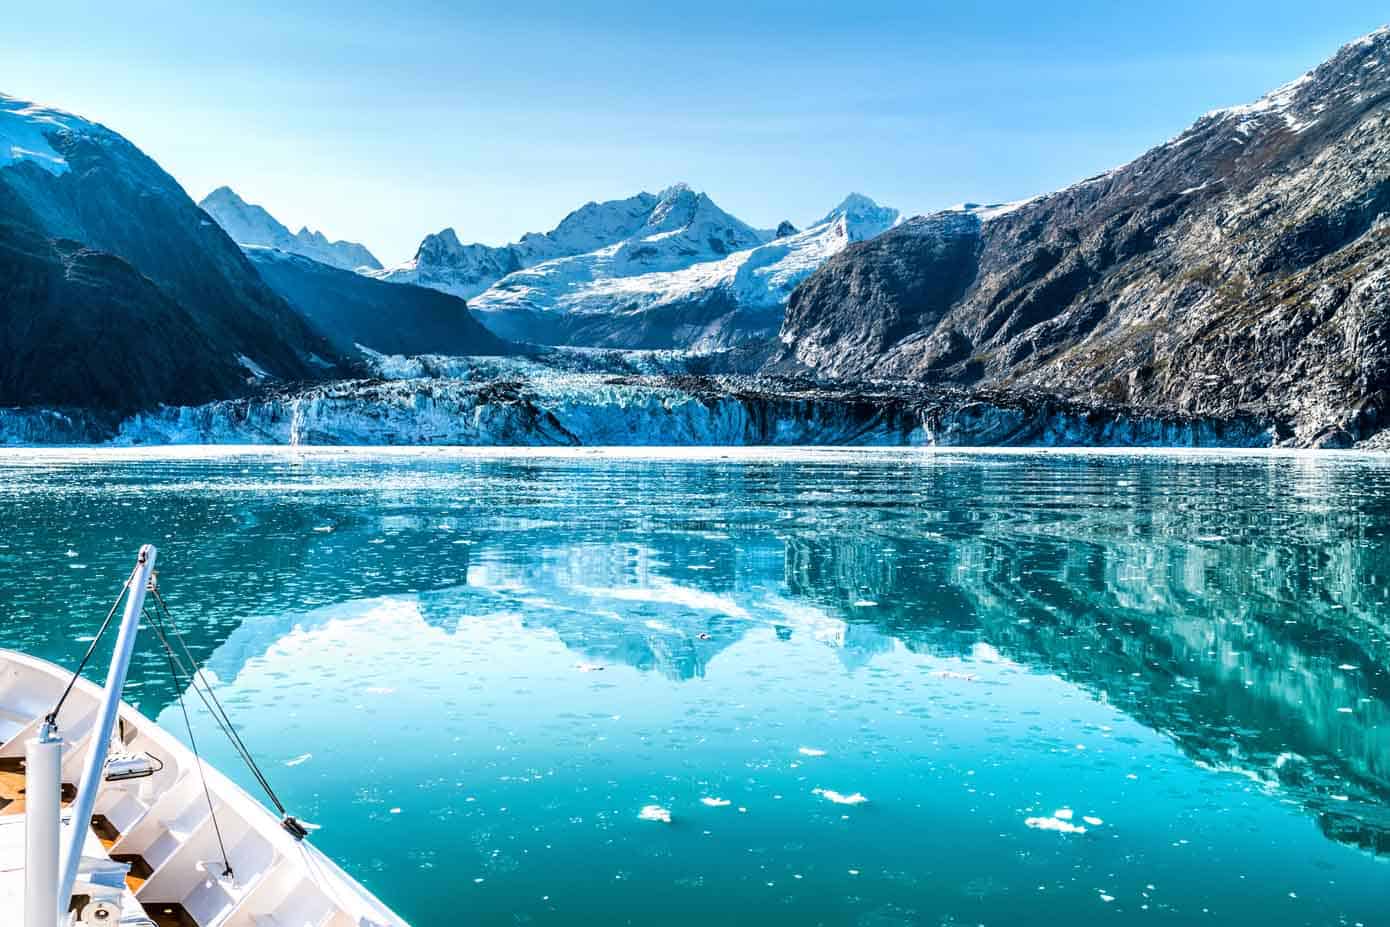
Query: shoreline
{"type": "Point", "coordinates": [692, 453]}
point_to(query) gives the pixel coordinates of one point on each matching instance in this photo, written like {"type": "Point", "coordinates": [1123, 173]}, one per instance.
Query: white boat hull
{"type": "Point", "coordinates": [161, 825]}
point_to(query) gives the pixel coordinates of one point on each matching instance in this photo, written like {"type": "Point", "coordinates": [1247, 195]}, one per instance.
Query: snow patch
{"type": "Point", "coordinates": [25, 131]}
{"type": "Point", "coordinates": [257, 371]}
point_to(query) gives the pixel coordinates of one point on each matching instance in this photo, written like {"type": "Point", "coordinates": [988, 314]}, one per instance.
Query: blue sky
{"type": "Point", "coordinates": [381, 122]}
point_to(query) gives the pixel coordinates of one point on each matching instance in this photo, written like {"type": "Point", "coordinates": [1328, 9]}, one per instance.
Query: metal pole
{"type": "Point", "coordinates": [43, 788]}
{"type": "Point", "coordinates": [106, 723]}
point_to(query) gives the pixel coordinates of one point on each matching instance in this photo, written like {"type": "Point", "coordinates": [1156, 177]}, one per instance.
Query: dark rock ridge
{"type": "Point", "coordinates": [1239, 269]}
{"type": "Point", "coordinates": [357, 311]}
{"type": "Point", "coordinates": [117, 292]}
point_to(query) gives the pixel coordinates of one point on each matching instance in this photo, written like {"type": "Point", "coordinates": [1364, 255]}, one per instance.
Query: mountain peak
{"type": "Point", "coordinates": [863, 218]}
{"type": "Point", "coordinates": [676, 190]}
{"type": "Point", "coordinates": [225, 194]}
{"type": "Point", "coordinates": [252, 225]}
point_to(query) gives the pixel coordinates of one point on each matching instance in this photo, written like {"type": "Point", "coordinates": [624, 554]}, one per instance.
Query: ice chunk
{"type": "Point", "coordinates": [655, 813]}
{"type": "Point", "coordinates": [854, 798]}
{"type": "Point", "coordinates": [1055, 824]}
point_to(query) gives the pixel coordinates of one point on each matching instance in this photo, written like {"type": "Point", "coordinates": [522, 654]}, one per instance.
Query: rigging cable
{"type": "Point", "coordinates": [192, 743]}
{"type": "Point", "coordinates": [219, 714]}
{"type": "Point", "coordinates": [52, 717]}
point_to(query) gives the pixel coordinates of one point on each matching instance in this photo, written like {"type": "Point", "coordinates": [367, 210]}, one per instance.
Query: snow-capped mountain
{"type": "Point", "coordinates": [445, 263]}
{"type": "Point", "coordinates": [251, 225]}
{"type": "Point", "coordinates": [646, 230]}
{"type": "Point", "coordinates": [687, 281]}
{"type": "Point", "coordinates": [669, 270]}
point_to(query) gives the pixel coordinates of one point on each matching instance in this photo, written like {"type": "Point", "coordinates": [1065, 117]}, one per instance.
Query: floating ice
{"type": "Point", "coordinates": [1054, 824]}
{"type": "Point", "coordinates": [854, 798]}
{"type": "Point", "coordinates": [811, 751]}
{"type": "Point", "coordinates": [715, 802]}
{"type": "Point", "coordinates": [655, 813]}
{"type": "Point", "coordinates": [302, 758]}
{"type": "Point", "coordinates": [1062, 814]}
{"type": "Point", "coordinates": [1093, 821]}
{"type": "Point", "coordinates": [380, 690]}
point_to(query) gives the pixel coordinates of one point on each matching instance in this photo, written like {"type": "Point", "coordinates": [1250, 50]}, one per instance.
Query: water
{"type": "Point", "coordinates": [475, 672]}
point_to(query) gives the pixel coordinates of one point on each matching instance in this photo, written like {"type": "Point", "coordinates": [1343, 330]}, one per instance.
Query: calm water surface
{"type": "Point", "coordinates": [1088, 688]}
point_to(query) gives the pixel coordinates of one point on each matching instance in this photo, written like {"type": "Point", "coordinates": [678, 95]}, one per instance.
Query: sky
{"type": "Point", "coordinates": [382, 122]}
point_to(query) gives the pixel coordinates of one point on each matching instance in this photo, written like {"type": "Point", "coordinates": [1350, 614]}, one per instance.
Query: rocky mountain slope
{"type": "Point", "coordinates": [116, 291]}
{"type": "Point", "coordinates": [1243, 266]}
{"type": "Point", "coordinates": [358, 312]}
{"type": "Point", "coordinates": [691, 281]}
{"type": "Point", "coordinates": [252, 226]}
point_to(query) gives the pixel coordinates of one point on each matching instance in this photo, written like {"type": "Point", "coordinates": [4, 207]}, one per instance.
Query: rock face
{"type": "Point", "coordinates": [116, 291]}
{"type": "Point", "coordinates": [693, 277]}
{"type": "Point", "coordinates": [1243, 266]}
{"type": "Point", "coordinates": [357, 312]}
{"type": "Point", "coordinates": [250, 225]}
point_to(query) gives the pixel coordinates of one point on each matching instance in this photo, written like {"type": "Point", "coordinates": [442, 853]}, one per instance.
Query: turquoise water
{"type": "Point", "coordinates": [475, 672]}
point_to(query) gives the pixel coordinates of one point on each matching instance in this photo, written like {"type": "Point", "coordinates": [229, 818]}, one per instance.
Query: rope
{"type": "Point", "coordinates": [52, 717]}
{"type": "Point", "coordinates": [193, 744]}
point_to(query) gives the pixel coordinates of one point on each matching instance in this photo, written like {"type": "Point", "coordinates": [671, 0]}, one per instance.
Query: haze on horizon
{"type": "Point", "coordinates": [381, 127]}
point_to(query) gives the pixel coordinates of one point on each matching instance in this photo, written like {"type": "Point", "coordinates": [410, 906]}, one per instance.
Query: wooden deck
{"type": "Point", "coordinates": [12, 786]}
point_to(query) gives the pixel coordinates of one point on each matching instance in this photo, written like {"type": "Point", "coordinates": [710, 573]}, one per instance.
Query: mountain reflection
{"type": "Point", "coordinates": [1265, 662]}
{"type": "Point", "coordinates": [1237, 607]}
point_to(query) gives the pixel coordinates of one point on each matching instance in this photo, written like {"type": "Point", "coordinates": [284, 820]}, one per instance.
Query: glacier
{"type": "Point", "coordinates": [521, 402]}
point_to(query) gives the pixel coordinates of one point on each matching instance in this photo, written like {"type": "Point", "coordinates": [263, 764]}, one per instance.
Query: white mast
{"type": "Point", "coordinates": [101, 733]}
{"type": "Point", "coordinates": [43, 786]}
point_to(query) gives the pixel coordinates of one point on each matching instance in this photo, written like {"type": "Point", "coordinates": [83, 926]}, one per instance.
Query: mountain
{"type": "Point", "coordinates": [670, 270]}
{"type": "Point", "coordinates": [682, 296]}
{"type": "Point", "coordinates": [444, 263]}
{"type": "Point", "coordinates": [116, 291]}
{"type": "Point", "coordinates": [251, 225]}
{"type": "Point", "coordinates": [1244, 265]}
{"type": "Point", "coordinates": [359, 312]}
